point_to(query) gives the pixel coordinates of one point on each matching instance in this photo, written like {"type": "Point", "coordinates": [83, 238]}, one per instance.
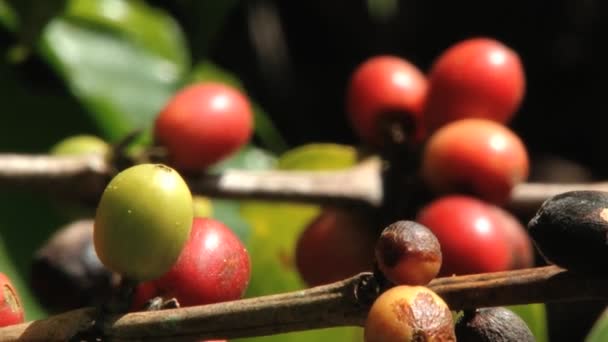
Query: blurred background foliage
{"type": "Point", "coordinates": [106, 67]}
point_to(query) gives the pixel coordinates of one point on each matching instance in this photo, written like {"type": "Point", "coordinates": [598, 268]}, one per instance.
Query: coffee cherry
{"type": "Point", "coordinates": [143, 221]}
{"type": "Point", "coordinates": [11, 310]}
{"type": "Point", "coordinates": [496, 324]}
{"type": "Point", "coordinates": [475, 156]}
{"type": "Point", "coordinates": [475, 78]}
{"type": "Point", "coordinates": [202, 206]}
{"type": "Point", "coordinates": [386, 90]}
{"type": "Point", "coordinates": [408, 314]}
{"type": "Point", "coordinates": [521, 243]}
{"type": "Point", "coordinates": [408, 253]}
{"type": "Point", "coordinates": [66, 273]}
{"type": "Point", "coordinates": [336, 245]}
{"type": "Point", "coordinates": [81, 144]}
{"type": "Point", "coordinates": [214, 266]}
{"type": "Point", "coordinates": [470, 235]}
{"type": "Point", "coordinates": [202, 124]}
{"type": "Point", "coordinates": [571, 230]}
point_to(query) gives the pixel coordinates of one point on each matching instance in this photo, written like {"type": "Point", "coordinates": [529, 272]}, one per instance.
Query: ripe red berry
{"type": "Point", "coordinates": [336, 245]}
{"type": "Point", "coordinates": [521, 242]}
{"type": "Point", "coordinates": [214, 266]}
{"type": "Point", "coordinates": [11, 310]}
{"type": "Point", "coordinates": [475, 156]}
{"type": "Point", "coordinates": [408, 253]}
{"type": "Point", "coordinates": [382, 89]}
{"type": "Point", "coordinates": [470, 234]}
{"type": "Point", "coordinates": [202, 124]}
{"type": "Point", "coordinates": [479, 78]}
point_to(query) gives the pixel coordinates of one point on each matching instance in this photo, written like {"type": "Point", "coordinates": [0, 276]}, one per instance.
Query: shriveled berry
{"type": "Point", "coordinates": [143, 221]}
{"type": "Point", "coordinates": [408, 253]}
{"type": "Point", "coordinates": [11, 310]}
{"type": "Point", "coordinates": [497, 324]}
{"type": "Point", "coordinates": [409, 314]}
{"type": "Point", "coordinates": [571, 230]}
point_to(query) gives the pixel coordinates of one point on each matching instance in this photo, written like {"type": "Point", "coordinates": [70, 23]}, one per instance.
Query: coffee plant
{"type": "Point", "coordinates": [301, 171]}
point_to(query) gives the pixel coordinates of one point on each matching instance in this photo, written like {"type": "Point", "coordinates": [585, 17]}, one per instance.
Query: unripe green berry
{"type": "Point", "coordinates": [143, 221]}
{"type": "Point", "coordinates": [80, 144]}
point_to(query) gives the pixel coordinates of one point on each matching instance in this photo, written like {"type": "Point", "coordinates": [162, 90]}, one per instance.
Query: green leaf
{"type": "Point", "coordinates": [535, 316]}
{"type": "Point", "coordinates": [599, 332]}
{"type": "Point", "coordinates": [276, 227]}
{"type": "Point", "coordinates": [228, 211]}
{"type": "Point", "coordinates": [265, 129]}
{"type": "Point", "coordinates": [122, 59]}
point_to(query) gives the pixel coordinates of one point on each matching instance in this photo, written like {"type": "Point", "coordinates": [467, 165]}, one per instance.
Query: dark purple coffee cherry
{"type": "Point", "coordinates": [66, 272]}
{"type": "Point", "coordinates": [496, 324]}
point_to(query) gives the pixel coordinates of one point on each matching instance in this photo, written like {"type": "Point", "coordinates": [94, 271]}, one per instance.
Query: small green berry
{"type": "Point", "coordinates": [143, 221]}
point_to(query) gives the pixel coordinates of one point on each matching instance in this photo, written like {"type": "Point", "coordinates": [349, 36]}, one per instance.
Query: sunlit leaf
{"type": "Point", "coordinates": [123, 59]}
{"type": "Point", "coordinates": [535, 316]}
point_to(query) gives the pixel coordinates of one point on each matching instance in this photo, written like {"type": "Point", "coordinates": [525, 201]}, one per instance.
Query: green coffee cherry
{"type": "Point", "coordinates": [143, 221]}
{"type": "Point", "coordinates": [80, 144]}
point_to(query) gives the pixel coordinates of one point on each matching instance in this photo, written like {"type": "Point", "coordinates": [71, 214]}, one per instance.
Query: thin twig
{"type": "Point", "coordinates": [85, 177]}
{"type": "Point", "coordinates": [343, 303]}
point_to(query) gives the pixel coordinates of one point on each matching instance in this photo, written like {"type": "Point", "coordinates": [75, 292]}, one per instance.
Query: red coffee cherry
{"type": "Point", "coordinates": [382, 89]}
{"type": "Point", "coordinates": [475, 156]}
{"type": "Point", "coordinates": [408, 253]}
{"type": "Point", "coordinates": [11, 310]}
{"type": "Point", "coordinates": [409, 314]}
{"type": "Point", "coordinates": [471, 235]}
{"type": "Point", "coordinates": [479, 78]}
{"type": "Point", "coordinates": [202, 124]}
{"type": "Point", "coordinates": [521, 242]}
{"type": "Point", "coordinates": [213, 267]}
{"type": "Point", "coordinates": [336, 245]}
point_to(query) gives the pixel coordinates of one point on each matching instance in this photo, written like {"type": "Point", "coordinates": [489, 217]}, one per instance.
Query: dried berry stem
{"type": "Point", "coordinates": [343, 303]}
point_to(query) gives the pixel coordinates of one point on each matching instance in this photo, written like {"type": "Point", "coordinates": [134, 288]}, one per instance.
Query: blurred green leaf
{"type": "Point", "coordinates": [535, 316]}
{"type": "Point", "coordinates": [599, 332]}
{"type": "Point", "coordinates": [276, 227]}
{"type": "Point", "coordinates": [26, 220]}
{"type": "Point", "coordinates": [228, 211]}
{"type": "Point", "coordinates": [122, 59]}
{"type": "Point", "coordinates": [265, 129]}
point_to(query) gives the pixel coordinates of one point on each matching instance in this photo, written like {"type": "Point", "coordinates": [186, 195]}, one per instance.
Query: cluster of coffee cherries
{"type": "Point", "coordinates": [452, 122]}
{"type": "Point", "coordinates": [148, 228]}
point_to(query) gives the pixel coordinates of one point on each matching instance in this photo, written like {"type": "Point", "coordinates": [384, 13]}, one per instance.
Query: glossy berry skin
{"type": "Point", "coordinates": [213, 267]}
{"type": "Point", "coordinates": [470, 234]}
{"type": "Point", "coordinates": [475, 78]}
{"type": "Point", "coordinates": [202, 124]}
{"type": "Point", "coordinates": [521, 242]}
{"type": "Point", "coordinates": [385, 88]}
{"type": "Point", "coordinates": [475, 156]}
{"type": "Point", "coordinates": [336, 245]}
{"type": "Point", "coordinates": [409, 314]}
{"type": "Point", "coordinates": [408, 253]}
{"type": "Point", "coordinates": [11, 310]}
{"type": "Point", "coordinates": [143, 221]}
